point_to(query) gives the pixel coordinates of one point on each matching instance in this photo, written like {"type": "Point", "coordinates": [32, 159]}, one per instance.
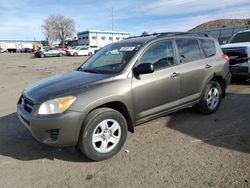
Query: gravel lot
{"type": "Point", "coordinates": [184, 149]}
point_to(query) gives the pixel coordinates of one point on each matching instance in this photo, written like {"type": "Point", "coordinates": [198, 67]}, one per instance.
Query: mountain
{"type": "Point", "coordinates": [221, 23]}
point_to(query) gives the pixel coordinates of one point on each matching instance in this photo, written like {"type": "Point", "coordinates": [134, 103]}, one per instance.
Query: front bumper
{"type": "Point", "coordinates": [55, 130]}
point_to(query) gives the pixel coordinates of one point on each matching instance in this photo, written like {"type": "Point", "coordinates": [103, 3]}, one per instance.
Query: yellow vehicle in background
{"type": "Point", "coordinates": [37, 46]}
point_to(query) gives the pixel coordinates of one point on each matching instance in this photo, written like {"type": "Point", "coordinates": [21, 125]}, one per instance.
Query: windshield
{"type": "Point", "coordinates": [110, 59]}
{"type": "Point", "coordinates": [83, 48]}
{"type": "Point", "coordinates": [241, 37]}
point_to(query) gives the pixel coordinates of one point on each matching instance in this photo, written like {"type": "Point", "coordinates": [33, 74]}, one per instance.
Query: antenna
{"type": "Point", "coordinates": [112, 17]}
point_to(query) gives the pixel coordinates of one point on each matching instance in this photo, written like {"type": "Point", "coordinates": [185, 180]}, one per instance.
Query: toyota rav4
{"type": "Point", "coordinates": [125, 84]}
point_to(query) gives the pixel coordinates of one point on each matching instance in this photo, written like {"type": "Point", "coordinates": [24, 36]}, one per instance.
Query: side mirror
{"type": "Point", "coordinates": [224, 42]}
{"type": "Point", "coordinates": [144, 68]}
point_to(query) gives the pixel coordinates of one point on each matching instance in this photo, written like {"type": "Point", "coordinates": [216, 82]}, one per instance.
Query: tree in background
{"type": "Point", "coordinates": [48, 30]}
{"type": "Point", "coordinates": [58, 27]}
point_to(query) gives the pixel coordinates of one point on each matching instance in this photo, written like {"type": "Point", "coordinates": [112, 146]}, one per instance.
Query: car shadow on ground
{"type": "Point", "coordinates": [17, 142]}
{"type": "Point", "coordinates": [228, 128]}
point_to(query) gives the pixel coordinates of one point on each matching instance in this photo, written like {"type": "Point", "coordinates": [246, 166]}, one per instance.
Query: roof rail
{"type": "Point", "coordinates": [138, 36]}
{"type": "Point", "coordinates": [165, 34]}
{"type": "Point", "coordinates": [175, 34]}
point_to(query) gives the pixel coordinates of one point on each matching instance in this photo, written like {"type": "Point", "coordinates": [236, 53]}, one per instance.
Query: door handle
{"type": "Point", "coordinates": [175, 74]}
{"type": "Point", "coordinates": [208, 66]}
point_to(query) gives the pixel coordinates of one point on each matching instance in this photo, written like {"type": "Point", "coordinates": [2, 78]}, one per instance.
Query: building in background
{"type": "Point", "coordinates": [16, 45]}
{"type": "Point", "coordinates": [100, 38]}
{"type": "Point", "coordinates": [223, 34]}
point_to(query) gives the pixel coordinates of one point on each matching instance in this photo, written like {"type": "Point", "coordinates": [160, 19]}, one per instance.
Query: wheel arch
{"type": "Point", "coordinates": [122, 108]}
{"type": "Point", "coordinates": [219, 79]}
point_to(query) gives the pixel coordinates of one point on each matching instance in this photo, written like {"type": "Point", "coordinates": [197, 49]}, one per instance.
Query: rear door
{"type": "Point", "coordinates": [160, 90]}
{"type": "Point", "coordinates": [82, 51]}
{"type": "Point", "coordinates": [194, 68]}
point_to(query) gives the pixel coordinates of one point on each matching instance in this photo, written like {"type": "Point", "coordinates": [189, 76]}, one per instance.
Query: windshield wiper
{"type": "Point", "coordinates": [88, 70]}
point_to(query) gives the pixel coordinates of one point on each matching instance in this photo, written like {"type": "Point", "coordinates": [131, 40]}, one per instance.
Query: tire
{"type": "Point", "coordinates": [99, 124]}
{"type": "Point", "coordinates": [211, 98]}
{"type": "Point", "coordinates": [90, 54]}
{"type": "Point", "coordinates": [60, 54]}
{"type": "Point", "coordinates": [42, 55]}
{"type": "Point", "coordinates": [75, 54]}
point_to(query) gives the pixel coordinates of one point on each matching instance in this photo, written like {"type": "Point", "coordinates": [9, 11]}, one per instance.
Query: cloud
{"type": "Point", "coordinates": [182, 21]}
{"type": "Point", "coordinates": [23, 19]}
{"type": "Point", "coordinates": [176, 7]}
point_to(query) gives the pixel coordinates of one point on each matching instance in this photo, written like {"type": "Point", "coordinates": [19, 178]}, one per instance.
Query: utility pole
{"type": "Point", "coordinates": [112, 17]}
{"type": "Point", "coordinates": [112, 20]}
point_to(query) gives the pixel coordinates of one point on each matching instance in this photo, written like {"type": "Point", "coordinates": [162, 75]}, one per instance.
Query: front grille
{"type": "Point", "coordinates": [27, 104]}
{"type": "Point", "coordinates": [236, 55]}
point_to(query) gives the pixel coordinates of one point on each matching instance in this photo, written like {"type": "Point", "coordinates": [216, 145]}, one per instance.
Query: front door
{"type": "Point", "coordinates": [160, 90]}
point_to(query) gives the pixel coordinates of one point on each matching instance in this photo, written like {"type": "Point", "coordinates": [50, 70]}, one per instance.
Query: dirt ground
{"type": "Point", "coordinates": [183, 149]}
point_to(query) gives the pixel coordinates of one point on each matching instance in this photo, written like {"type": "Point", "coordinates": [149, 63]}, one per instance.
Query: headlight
{"type": "Point", "coordinates": [56, 106]}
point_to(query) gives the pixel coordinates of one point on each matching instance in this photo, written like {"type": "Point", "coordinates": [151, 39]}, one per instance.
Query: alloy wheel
{"type": "Point", "coordinates": [213, 98]}
{"type": "Point", "coordinates": [106, 135]}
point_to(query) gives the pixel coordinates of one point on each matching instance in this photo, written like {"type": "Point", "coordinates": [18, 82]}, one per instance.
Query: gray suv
{"type": "Point", "coordinates": [125, 84]}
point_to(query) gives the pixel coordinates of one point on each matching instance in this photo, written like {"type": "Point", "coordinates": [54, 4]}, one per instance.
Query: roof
{"type": "Point", "coordinates": [103, 32]}
{"type": "Point", "coordinates": [18, 41]}
{"type": "Point", "coordinates": [144, 39]}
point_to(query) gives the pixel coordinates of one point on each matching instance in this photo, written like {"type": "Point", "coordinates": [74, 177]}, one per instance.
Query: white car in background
{"type": "Point", "coordinates": [82, 50]}
{"type": "Point", "coordinates": [238, 51]}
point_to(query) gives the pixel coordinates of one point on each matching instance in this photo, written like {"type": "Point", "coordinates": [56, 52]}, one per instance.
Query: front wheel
{"type": "Point", "coordinates": [90, 54]}
{"type": "Point", "coordinates": [103, 134]}
{"type": "Point", "coordinates": [211, 99]}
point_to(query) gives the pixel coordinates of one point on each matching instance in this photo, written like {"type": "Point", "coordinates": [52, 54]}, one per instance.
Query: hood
{"type": "Point", "coordinates": [61, 85]}
{"type": "Point", "coordinates": [232, 45]}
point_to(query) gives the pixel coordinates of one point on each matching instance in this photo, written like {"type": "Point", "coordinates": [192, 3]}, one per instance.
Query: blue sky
{"type": "Point", "coordinates": [22, 19]}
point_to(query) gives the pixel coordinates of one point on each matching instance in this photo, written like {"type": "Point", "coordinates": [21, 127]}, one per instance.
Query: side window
{"type": "Point", "coordinates": [160, 54]}
{"type": "Point", "coordinates": [189, 50]}
{"type": "Point", "coordinates": [208, 47]}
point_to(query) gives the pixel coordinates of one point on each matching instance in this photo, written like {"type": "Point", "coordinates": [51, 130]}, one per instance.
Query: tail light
{"type": "Point", "coordinates": [225, 57]}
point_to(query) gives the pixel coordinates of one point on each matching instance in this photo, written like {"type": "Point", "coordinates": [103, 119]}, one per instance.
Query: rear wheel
{"type": "Point", "coordinates": [75, 54]}
{"type": "Point", "coordinates": [90, 53]}
{"type": "Point", "coordinates": [60, 54]}
{"type": "Point", "coordinates": [211, 99]}
{"type": "Point", "coordinates": [103, 134]}
{"type": "Point", "coordinates": [42, 56]}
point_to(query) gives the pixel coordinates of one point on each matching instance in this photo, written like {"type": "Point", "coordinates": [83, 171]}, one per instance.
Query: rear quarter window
{"type": "Point", "coordinates": [189, 50]}
{"type": "Point", "coordinates": [208, 46]}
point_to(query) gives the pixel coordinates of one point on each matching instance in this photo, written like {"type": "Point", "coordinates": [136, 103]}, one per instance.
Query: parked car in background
{"type": "Point", "coordinates": [95, 105]}
{"type": "Point", "coordinates": [72, 47]}
{"type": "Point", "coordinates": [82, 50]}
{"type": "Point", "coordinates": [2, 50]}
{"type": "Point", "coordinates": [64, 48]}
{"type": "Point", "coordinates": [238, 51]}
{"type": "Point", "coordinates": [26, 50]}
{"type": "Point", "coordinates": [50, 52]}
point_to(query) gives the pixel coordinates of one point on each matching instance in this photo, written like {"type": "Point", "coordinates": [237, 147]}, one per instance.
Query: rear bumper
{"type": "Point", "coordinates": [55, 130]}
